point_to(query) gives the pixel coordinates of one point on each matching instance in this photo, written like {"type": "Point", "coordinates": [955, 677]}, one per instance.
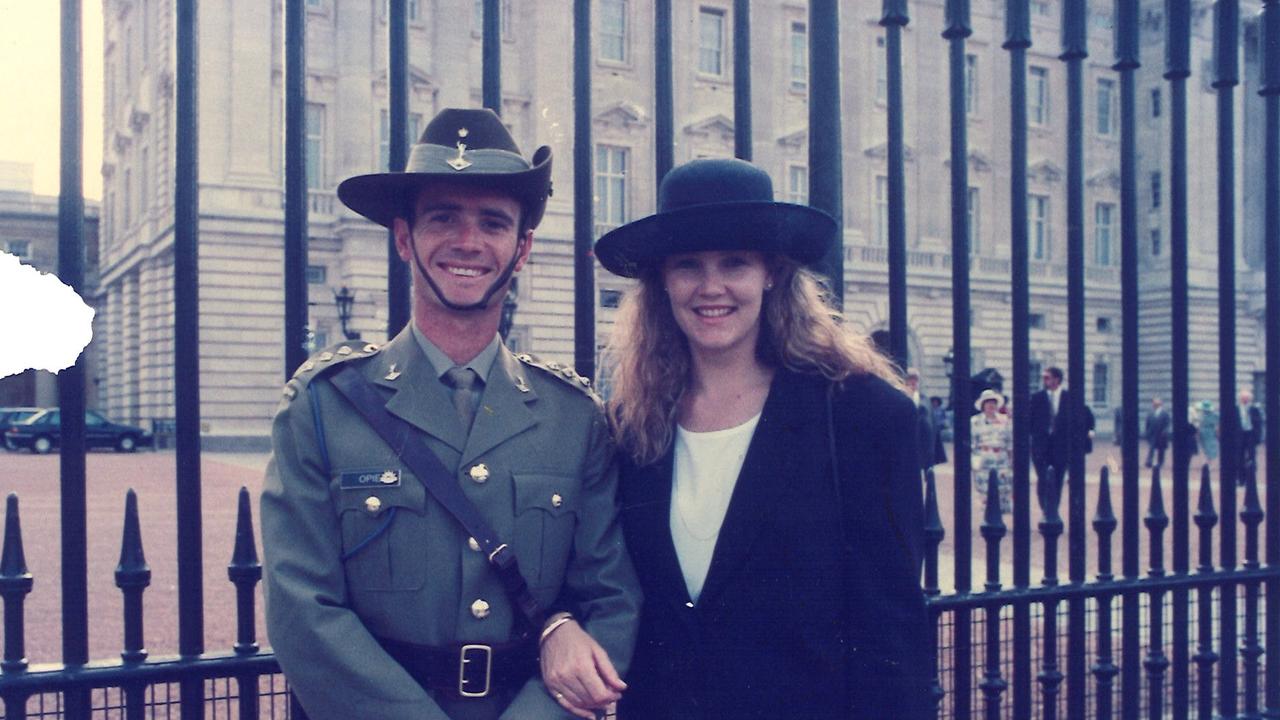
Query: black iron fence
{"type": "Point", "coordinates": [1171, 641]}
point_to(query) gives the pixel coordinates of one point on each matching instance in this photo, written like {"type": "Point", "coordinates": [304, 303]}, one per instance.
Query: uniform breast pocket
{"type": "Point", "coordinates": [384, 535]}
{"type": "Point", "coordinates": [546, 514]}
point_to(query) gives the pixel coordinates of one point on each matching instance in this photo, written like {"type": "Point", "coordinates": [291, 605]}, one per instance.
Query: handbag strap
{"type": "Point", "coordinates": [443, 487]}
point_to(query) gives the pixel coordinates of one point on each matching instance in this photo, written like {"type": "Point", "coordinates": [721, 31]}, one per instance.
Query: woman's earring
{"type": "Point", "coordinates": [768, 287]}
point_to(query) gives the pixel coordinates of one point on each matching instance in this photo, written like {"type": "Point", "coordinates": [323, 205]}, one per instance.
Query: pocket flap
{"type": "Point", "coordinates": [555, 494]}
{"type": "Point", "coordinates": [407, 493]}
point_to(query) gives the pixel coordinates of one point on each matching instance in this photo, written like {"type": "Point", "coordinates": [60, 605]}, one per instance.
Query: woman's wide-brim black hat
{"type": "Point", "coordinates": [464, 146]}
{"type": "Point", "coordinates": [717, 204]}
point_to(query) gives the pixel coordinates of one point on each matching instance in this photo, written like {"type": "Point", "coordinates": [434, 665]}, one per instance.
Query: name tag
{"type": "Point", "coordinates": [365, 479]}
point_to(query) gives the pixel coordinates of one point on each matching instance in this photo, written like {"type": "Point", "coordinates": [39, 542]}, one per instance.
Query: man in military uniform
{"type": "Point", "coordinates": [379, 603]}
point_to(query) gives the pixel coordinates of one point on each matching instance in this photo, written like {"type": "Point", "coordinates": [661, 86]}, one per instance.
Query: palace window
{"type": "Point", "coordinates": [1038, 226]}
{"type": "Point", "coordinates": [611, 187]}
{"type": "Point", "coordinates": [1103, 232]}
{"type": "Point", "coordinates": [711, 41]}
{"type": "Point", "coordinates": [613, 30]}
{"type": "Point", "coordinates": [1038, 96]}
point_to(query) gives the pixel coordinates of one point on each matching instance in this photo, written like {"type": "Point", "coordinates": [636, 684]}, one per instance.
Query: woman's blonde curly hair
{"type": "Point", "coordinates": [649, 361]}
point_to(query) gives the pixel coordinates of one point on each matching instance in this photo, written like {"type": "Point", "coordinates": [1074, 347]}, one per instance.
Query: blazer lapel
{"type": "Point", "coordinates": [504, 407]}
{"type": "Point", "coordinates": [765, 472]}
{"type": "Point", "coordinates": [420, 398]}
{"type": "Point", "coordinates": [649, 510]}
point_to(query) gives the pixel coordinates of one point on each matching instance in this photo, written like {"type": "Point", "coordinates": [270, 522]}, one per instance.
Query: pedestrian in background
{"type": "Point", "coordinates": [929, 440]}
{"type": "Point", "coordinates": [1156, 431]}
{"type": "Point", "coordinates": [991, 441]}
{"type": "Point", "coordinates": [1208, 429]}
{"type": "Point", "coordinates": [1250, 430]}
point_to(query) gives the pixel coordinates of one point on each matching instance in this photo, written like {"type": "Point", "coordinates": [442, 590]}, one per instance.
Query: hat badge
{"type": "Point", "coordinates": [460, 162]}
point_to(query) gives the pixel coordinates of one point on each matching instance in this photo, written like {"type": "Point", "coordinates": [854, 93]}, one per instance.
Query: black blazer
{"type": "Point", "coordinates": [812, 606]}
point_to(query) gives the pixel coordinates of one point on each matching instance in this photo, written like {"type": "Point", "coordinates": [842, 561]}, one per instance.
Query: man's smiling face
{"type": "Point", "coordinates": [464, 238]}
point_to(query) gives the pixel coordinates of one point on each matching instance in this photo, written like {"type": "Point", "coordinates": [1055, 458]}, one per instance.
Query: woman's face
{"type": "Point", "coordinates": [989, 408]}
{"type": "Point", "coordinates": [716, 297]}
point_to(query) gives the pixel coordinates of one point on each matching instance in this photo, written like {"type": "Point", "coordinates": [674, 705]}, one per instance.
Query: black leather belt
{"type": "Point", "coordinates": [473, 670]}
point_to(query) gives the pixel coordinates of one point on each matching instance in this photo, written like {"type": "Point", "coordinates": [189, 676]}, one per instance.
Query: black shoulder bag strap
{"type": "Point", "coordinates": [443, 487]}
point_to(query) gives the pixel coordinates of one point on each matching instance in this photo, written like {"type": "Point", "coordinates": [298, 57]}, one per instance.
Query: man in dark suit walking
{"type": "Point", "coordinates": [1048, 428]}
{"type": "Point", "coordinates": [1157, 432]}
{"type": "Point", "coordinates": [929, 435]}
{"type": "Point", "coordinates": [1250, 432]}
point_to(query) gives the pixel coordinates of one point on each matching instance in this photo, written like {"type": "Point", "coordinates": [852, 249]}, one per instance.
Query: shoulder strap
{"type": "Point", "coordinates": [442, 486]}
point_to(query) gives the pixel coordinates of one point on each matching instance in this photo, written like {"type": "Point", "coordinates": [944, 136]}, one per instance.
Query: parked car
{"type": "Point", "coordinates": [42, 432]}
{"type": "Point", "coordinates": [10, 416]}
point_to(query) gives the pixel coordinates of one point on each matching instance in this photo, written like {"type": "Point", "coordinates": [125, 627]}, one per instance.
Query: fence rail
{"type": "Point", "coordinates": [1122, 643]}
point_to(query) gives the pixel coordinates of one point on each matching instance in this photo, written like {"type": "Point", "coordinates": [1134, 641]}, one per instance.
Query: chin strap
{"type": "Point", "coordinates": [483, 302]}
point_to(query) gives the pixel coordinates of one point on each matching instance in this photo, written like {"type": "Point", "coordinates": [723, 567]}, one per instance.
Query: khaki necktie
{"type": "Point", "coordinates": [463, 382]}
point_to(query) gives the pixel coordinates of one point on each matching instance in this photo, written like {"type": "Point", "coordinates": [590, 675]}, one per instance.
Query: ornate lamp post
{"type": "Point", "coordinates": [345, 299]}
{"type": "Point", "coordinates": [509, 304]}
{"type": "Point", "coordinates": [948, 361]}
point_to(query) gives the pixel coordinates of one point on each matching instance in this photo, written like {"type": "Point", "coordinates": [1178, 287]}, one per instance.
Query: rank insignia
{"type": "Point", "coordinates": [393, 374]}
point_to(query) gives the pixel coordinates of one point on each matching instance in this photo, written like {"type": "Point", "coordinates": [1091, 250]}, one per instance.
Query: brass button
{"type": "Point", "coordinates": [372, 504]}
{"type": "Point", "coordinates": [479, 472]}
{"type": "Point", "coordinates": [480, 609]}
{"type": "Point", "coordinates": [557, 500]}
{"type": "Point", "coordinates": [326, 356]}
{"type": "Point", "coordinates": [344, 350]}
{"type": "Point", "coordinates": [473, 544]}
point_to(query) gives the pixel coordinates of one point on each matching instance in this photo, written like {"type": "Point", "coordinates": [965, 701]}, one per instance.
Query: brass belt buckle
{"type": "Point", "coordinates": [465, 659]}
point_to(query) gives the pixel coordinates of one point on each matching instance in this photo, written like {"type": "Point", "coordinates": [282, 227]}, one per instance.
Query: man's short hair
{"type": "Point", "coordinates": [411, 211]}
{"type": "Point", "coordinates": [1055, 371]}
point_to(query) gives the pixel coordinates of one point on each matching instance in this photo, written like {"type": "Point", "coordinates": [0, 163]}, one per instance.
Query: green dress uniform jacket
{"type": "Point", "coordinates": [538, 463]}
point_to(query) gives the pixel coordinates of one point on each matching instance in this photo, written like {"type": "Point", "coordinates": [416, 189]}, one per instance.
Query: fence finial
{"type": "Point", "coordinates": [15, 583]}
{"type": "Point", "coordinates": [993, 530]}
{"type": "Point", "coordinates": [132, 571]}
{"type": "Point", "coordinates": [1104, 524]}
{"type": "Point", "coordinates": [1104, 519]}
{"type": "Point", "coordinates": [13, 562]}
{"type": "Point", "coordinates": [1206, 516]}
{"type": "Point", "coordinates": [1156, 521]}
{"type": "Point", "coordinates": [245, 571]}
{"type": "Point", "coordinates": [133, 576]}
{"type": "Point", "coordinates": [244, 556]}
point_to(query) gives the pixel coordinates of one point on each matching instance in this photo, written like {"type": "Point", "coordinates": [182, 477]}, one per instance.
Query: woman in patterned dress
{"type": "Point", "coordinates": [991, 439]}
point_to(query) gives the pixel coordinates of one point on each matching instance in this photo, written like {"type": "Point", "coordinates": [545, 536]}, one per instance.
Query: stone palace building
{"type": "Point", "coordinates": [241, 85]}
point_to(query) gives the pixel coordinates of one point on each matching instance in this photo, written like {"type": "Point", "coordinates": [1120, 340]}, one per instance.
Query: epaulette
{"type": "Point", "coordinates": [563, 373]}
{"type": "Point", "coordinates": [326, 359]}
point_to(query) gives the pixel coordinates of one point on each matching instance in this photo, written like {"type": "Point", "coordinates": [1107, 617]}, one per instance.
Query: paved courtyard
{"type": "Point", "coordinates": [35, 480]}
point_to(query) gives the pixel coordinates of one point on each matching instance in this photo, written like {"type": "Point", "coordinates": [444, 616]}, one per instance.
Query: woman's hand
{"type": "Point", "coordinates": [577, 672]}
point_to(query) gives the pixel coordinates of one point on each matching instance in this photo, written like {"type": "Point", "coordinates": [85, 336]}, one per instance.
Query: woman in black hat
{"type": "Point", "coordinates": [770, 482]}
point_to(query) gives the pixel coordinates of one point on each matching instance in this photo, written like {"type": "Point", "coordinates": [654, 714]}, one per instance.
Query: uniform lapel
{"type": "Point", "coordinates": [420, 398]}
{"type": "Point", "coordinates": [504, 408]}
{"type": "Point", "coordinates": [764, 475]}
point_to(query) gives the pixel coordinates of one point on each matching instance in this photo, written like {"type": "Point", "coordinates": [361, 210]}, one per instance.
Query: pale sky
{"type": "Point", "coordinates": [29, 83]}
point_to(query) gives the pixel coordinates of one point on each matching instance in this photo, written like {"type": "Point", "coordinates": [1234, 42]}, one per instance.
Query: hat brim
{"type": "Point", "coordinates": [383, 197]}
{"type": "Point", "coordinates": [982, 400]}
{"type": "Point", "coordinates": [798, 231]}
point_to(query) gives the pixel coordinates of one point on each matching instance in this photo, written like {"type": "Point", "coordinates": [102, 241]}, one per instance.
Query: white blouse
{"type": "Point", "coordinates": [706, 470]}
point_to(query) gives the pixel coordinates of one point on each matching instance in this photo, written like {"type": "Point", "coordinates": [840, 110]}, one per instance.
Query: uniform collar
{"type": "Point", "coordinates": [441, 363]}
